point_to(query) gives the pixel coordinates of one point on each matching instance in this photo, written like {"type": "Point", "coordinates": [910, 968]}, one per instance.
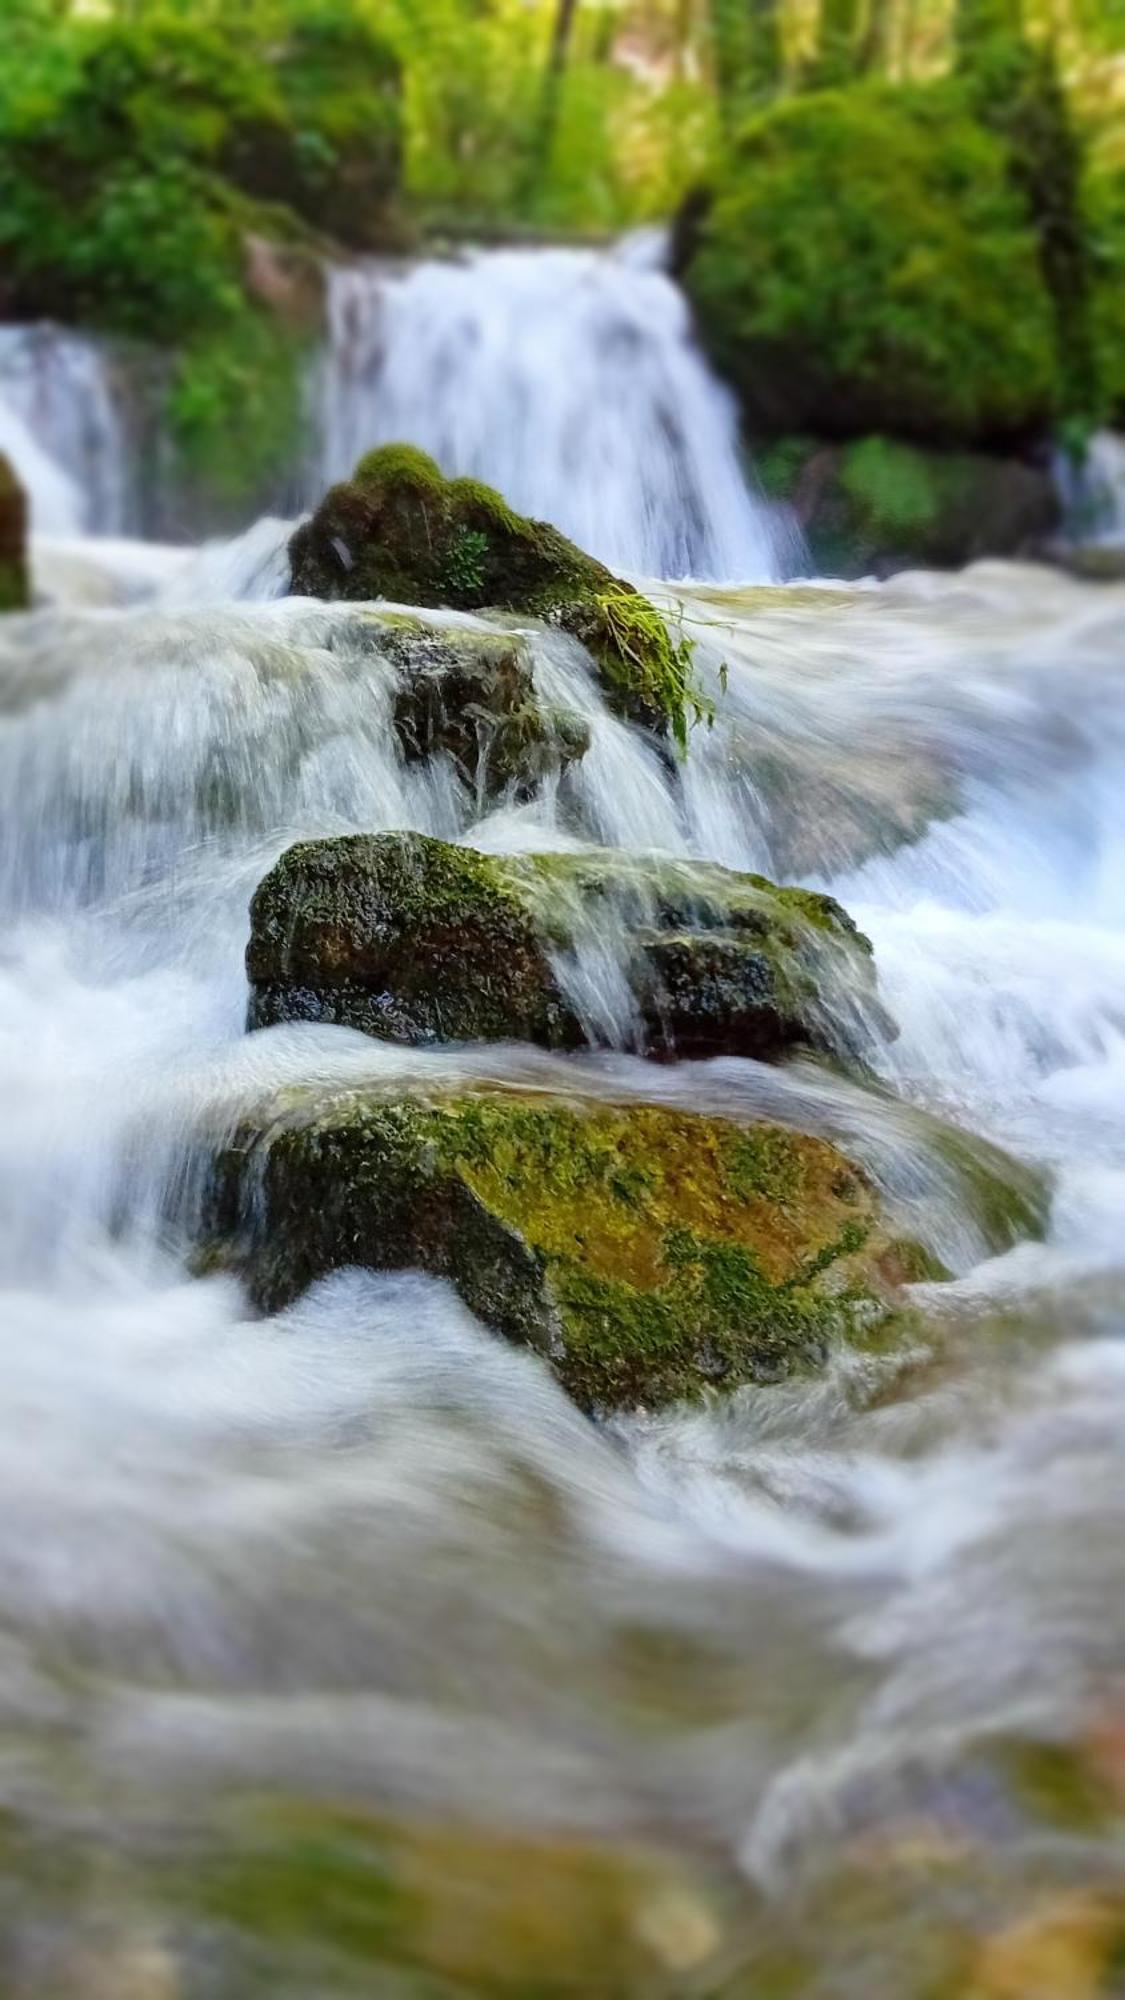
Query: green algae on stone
{"type": "Point", "coordinates": [645, 1252]}
{"type": "Point", "coordinates": [403, 937]}
{"type": "Point", "coordinates": [14, 585]}
{"type": "Point", "coordinates": [399, 530]}
{"type": "Point", "coordinates": [410, 939]}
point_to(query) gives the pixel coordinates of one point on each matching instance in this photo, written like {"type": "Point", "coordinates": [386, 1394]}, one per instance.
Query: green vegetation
{"type": "Point", "coordinates": [140, 157]}
{"type": "Point", "coordinates": [646, 1253]}
{"type": "Point", "coordinates": [910, 302]}
{"type": "Point", "coordinates": [412, 940]}
{"type": "Point", "coordinates": [877, 503]}
{"type": "Point", "coordinates": [905, 219]}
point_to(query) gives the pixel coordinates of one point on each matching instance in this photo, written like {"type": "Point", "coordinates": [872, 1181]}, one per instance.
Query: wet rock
{"type": "Point", "coordinates": [414, 940]}
{"type": "Point", "coordinates": [14, 587]}
{"type": "Point", "coordinates": [399, 530]}
{"type": "Point", "coordinates": [1091, 562]}
{"type": "Point", "coordinates": [470, 695]}
{"type": "Point", "coordinates": [403, 937]}
{"type": "Point", "coordinates": [645, 1253]}
{"type": "Point", "coordinates": [878, 505]}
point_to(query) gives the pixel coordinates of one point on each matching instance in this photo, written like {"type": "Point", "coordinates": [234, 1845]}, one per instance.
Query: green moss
{"type": "Point", "coordinates": [868, 266]}
{"type": "Point", "coordinates": [647, 1253]}
{"type": "Point", "coordinates": [653, 667]}
{"type": "Point", "coordinates": [14, 585]}
{"type": "Point", "coordinates": [403, 936]}
{"type": "Point", "coordinates": [409, 939]}
{"type": "Point", "coordinates": [399, 530]}
{"type": "Point", "coordinates": [891, 485]}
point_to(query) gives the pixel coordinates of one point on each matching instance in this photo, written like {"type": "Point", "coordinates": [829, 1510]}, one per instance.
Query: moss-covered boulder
{"type": "Point", "coordinates": [413, 940]}
{"type": "Point", "coordinates": [645, 1253]}
{"type": "Point", "coordinates": [878, 505]}
{"type": "Point", "coordinates": [399, 530]}
{"type": "Point", "coordinates": [867, 265]}
{"type": "Point", "coordinates": [14, 587]}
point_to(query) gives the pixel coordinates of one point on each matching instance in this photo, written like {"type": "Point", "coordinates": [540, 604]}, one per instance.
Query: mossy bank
{"type": "Point", "coordinates": [14, 582]}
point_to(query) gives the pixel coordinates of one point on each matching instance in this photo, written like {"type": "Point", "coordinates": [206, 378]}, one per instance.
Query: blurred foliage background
{"type": "Point", "coordinates": [933, 189]}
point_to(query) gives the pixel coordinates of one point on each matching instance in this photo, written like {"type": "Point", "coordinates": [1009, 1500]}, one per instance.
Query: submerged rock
{"type": "Point", "coordinates": [413, 940]}
{"type": "Point", "coordinates": [14, 587]}
{"type": "Point", "coordinates": [399, 530]}
{"type": "Point", "coordinates": [645, 1253]}
{"type": "Point", "coordinates": [470, 695]}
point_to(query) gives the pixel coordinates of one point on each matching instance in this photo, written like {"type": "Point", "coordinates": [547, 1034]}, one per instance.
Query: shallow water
{"type": "Point", "coordinates": [340, 1654]}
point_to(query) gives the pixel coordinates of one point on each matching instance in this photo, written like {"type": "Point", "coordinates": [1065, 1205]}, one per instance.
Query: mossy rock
{"type": "Point", "coordinates": [866, 265]}
{"type": "Point", "coordinates": [399, 530]}
{"type": "Point", "coordinates": [878, 505]}
{"type": "Point", "coordinates": [413, 940]}
{"type": "Point", "coordinates": [646, 1253]}
{"type": "Point", "coordinates": [14, 583]}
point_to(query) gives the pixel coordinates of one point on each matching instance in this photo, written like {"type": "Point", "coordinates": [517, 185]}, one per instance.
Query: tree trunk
{"type": "Point", "coordinates": [875, 53]}
{"type": "Point", "coordinates": [837, 54]}
{"type": "Point", "coordinates": [547, 120]}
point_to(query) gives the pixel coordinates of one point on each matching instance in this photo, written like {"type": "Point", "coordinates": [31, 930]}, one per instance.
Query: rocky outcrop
{"type": "Point", "coordinates": [14, 585]}
{"type": "Point", "coordinates": [645, 1253]}
{"type": "Point", "coordinates": [398, 530]}
{"type": "Point", "coordinates": [413, 940]}
{"type": "Point", "coordinates": [878, 506]}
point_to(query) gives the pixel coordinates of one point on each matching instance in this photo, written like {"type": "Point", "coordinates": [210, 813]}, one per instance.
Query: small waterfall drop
{"type": "Point", "coordinates": [1092, 491]}
{"type": "Point", "coordinates": [567, 378]}
{"type": "Point", "coordinates": [61, 428]}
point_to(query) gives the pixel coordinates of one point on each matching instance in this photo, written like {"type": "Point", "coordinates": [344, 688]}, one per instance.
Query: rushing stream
{"type": "Point", "coordinates": [339, 1655]}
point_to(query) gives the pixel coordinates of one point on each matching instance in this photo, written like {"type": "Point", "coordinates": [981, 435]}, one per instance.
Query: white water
{"type": "Point", "coordinates": [567, 378]}
{"type": "Point", "coordinates": [1093, 492]}
{"type": "Point", "coordinates": [365, 1556]}
{"type": "Point", "coordinates": [61, 429]}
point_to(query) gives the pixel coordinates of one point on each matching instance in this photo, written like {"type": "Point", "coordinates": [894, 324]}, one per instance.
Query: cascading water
{"type": "Point", "coordinates": [567, 378]}
{"type": "Point", "coordinates": [1092, 490]}
{"type": "Point", "coordinates": [61, 429]}
{"type": "Point", "coordinates": [340, 1655]}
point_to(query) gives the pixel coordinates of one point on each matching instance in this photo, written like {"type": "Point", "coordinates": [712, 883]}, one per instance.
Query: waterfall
{"type": "Point", "coordinates": [567, 378]}
{"type": "Point", "coordinates": [1092, 491]}
{"type": "Point", "coordinates": [61, 428]}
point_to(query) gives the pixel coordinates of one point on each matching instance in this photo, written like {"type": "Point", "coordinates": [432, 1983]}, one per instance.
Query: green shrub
{"type": "Point", "coordinates": [1106, 204]}
{"type": "Point", "coordinates": [136, 156]}
{"type": "Point", "coordinates": [867, 265]}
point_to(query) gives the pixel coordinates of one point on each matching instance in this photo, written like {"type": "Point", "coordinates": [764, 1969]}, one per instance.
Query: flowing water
{"type": "Point", "coordinates": [567, 378]}
{"type": "Point", "coordinates": [339, 1655]}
